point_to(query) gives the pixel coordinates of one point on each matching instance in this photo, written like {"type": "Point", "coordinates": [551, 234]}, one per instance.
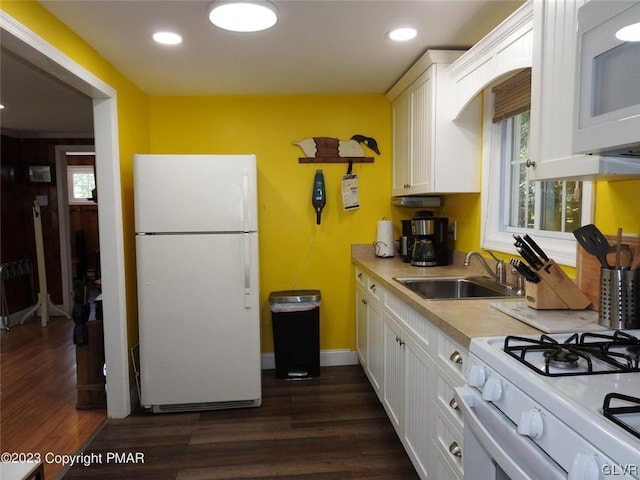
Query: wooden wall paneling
{"type": "Point", "coordinates": [17, 197]}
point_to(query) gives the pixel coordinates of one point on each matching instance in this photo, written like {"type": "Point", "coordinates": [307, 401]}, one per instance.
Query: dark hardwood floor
{"type": "Point", "coordinates": [38, 394]}
{"type": "Point", "coordinates": [330, 427]}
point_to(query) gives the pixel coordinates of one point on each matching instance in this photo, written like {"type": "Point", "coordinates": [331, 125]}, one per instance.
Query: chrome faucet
{"type": "Point", "coordinates": [500, 275]}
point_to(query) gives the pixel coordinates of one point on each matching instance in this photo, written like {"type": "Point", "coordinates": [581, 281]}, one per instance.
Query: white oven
{"type": "Point", "coordinates": [607, 80]}
{"type": "Point", "coordinates": [494, 450]}
{"type": "Point", "coordinates": [520, 423]}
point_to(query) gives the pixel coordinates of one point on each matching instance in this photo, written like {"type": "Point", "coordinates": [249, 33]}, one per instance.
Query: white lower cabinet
{"type": "Point", "coordinates": [369, 328]}
{"type": "Point", "coordinates": [408, 370]}
{"type": "Point", "coordinates": [369, 337]}
{"type": "Point", "coordinates": [418, 423]}
{"type": "Point", "coordinates": [414, 368]}
{"type": "Point", "coordinates": [393, 372]}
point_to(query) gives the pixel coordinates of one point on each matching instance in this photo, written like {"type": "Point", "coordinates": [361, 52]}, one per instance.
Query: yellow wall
{"type": "Point", "coordinates": [295, 252]}
{"type": "Point", "coordinates": [133, 119]}
{"type": "Point", "coordinates": [618, 205]}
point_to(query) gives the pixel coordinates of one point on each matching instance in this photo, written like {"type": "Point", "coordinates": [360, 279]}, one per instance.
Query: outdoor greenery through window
{"type": "Point", "coordinates": [554, 206]}
{"type": "Point", "coordinates": [81, 182]}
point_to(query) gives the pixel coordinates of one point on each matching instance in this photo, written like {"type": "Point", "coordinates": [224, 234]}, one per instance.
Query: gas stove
{"type": "Point", "coordinates": [575, 395]}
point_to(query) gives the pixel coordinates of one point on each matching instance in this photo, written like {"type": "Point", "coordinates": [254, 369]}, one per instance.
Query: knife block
{"type": "Point", "coordinates": [555, 291]}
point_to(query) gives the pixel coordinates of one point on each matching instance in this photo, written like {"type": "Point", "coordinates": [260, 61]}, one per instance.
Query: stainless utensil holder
{"type": "Point", "coordinates": [619, 299]}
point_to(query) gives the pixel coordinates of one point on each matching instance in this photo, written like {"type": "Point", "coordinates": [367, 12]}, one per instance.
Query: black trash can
{"type": "Point", "coordinates": [295, 316]}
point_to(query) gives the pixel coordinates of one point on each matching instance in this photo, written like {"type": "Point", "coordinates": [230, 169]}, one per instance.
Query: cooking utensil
{"type": "Point", "coordinates": [618, 247]}
{"type": "Point", "coordinates": [626, 256]}
{"type": "Point", "coordinates": [594, 243]}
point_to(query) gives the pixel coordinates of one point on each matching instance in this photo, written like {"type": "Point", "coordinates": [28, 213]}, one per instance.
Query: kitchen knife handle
{"type": "Point", "coordinates": [536, 247]}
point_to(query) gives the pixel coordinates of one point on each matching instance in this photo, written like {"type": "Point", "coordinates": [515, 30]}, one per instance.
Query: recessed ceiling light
{"type": "Point", "coordinates": [1, 106]}
{"type": "Point", "coordinates": [402, 34]}
{"type": "Point", "coordinates": [240, 16]}
{"type": "Point", "coordinates": [167, 38]}
{"type": "Point", "coordinates": [630, 33]}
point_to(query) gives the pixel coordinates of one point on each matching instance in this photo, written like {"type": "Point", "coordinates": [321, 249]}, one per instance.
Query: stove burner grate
{"type": "Point", "coordinates": [578, 350]}
{"type": "Point", "coordinates": [561, 358]}
{"type": "Point", "coordinates": [615, 414]}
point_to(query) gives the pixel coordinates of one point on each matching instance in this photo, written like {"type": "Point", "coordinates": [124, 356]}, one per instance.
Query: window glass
{"type": "Point", "coordinates": [81, 182]}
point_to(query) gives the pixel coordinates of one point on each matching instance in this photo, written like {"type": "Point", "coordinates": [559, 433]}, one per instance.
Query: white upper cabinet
{"type": "Point", "coordinates": [553, 87]}
{"type": "Point", "coordinates": [506, 49]}
{"type": "Point", "coordinates": [432, 153]}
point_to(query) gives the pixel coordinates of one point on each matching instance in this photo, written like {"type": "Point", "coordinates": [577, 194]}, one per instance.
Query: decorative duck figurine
{"type": "Point", "coordinates": [323, 147]}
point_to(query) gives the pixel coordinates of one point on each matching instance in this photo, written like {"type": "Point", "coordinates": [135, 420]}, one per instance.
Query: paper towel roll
{"type": "Point", "coordinates": [384, 242]}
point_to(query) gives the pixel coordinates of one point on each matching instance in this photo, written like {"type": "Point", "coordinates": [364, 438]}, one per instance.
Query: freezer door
{"type": "Point", "coordinates": [199, 329]}
{"type": "Point", "coordinates": [195, 193]}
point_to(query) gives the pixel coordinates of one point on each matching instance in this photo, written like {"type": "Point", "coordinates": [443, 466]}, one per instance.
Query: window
{"type": "Point", "coordinates": [549, 210]}
{"type": "Point", "coordinates": [81, 182]}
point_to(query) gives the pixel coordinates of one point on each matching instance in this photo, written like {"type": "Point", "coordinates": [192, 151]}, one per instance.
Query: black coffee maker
{"type": "Point", "coordinates": [429, 241]}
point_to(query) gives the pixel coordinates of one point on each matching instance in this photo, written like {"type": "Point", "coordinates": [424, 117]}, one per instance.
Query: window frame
{"type": "Point", "coordinates": [561, 246]}
{"type": "Point", "coordinates": [71, 169]}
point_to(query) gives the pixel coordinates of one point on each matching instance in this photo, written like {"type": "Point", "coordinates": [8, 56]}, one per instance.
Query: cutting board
{"type": "Point", "coordinates": [551, 321]}
{"type": "Point", "coordinates": [588, 269]}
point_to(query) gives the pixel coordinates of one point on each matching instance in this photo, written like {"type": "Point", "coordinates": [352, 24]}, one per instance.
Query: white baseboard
{"type": "Point", "coordinates": [328, 358]}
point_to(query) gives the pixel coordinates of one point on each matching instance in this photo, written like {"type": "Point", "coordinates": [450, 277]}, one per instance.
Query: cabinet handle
{"type": "Point", "coordinates": [360, 275]}
{"type": "Point", "coordinates": [364, 302]}
{"type": "Point", "coordinates": [454, 405]}
{"type": "Point", "coordinates": [373, 287]}
{"type": "Point", "coordinates": [455, 450]}
{"type": "Point", "coordinates": [456, 357]}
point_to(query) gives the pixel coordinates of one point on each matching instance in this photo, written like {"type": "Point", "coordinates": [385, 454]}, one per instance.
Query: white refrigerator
{"type": "Point", "coordinates": [197, 273]}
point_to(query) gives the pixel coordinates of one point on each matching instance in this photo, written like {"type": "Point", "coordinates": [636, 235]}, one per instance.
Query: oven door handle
{"type": "Point", "coordinates": [518, 456]}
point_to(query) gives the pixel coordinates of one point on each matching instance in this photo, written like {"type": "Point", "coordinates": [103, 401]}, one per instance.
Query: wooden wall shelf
{"type": "Point", "coordinates": [335, 160]}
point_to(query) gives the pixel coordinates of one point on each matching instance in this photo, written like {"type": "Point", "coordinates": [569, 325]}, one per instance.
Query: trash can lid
{"type": "Point", "coordinates": [294, 296]}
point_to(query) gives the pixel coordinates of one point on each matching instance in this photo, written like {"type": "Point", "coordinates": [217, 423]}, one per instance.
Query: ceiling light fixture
{"type": "Point", "coordinates": [630, 33]}
{"type": "Point", "coordinates": [167, 38]}
{"type": "Point", "coordinates": [238, 16]}
{"type": "Point", "coordinates": [402, 34]}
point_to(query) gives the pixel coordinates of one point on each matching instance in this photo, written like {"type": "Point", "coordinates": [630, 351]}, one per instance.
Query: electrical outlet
{"type": "Point", "coordinates": [453, 229]}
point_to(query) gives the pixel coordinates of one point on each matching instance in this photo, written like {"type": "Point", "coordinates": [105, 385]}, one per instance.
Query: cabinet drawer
{"type": "Point", "coordinates": [374, 289]}
{"type": "Point", "coordinates": [449, 443]}
{"type": "Point", "coordinates": [412, 321]}
{"type": "Point", "coordinates": [452, 357]}
{"type": "Point", "coordinates": [445, 401]}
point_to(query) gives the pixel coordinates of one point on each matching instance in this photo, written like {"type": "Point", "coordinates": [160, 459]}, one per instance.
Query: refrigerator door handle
{"type": "Point", "coordinates": [247, 270]}
{"type": "Point", "coordinates": [246, 198]}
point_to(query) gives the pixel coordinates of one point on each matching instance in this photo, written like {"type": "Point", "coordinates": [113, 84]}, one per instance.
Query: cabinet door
{"type": "Point", "coordinates": [375, 345]}
{"type": "Point", "coordinates": [361, 327]}
{"type": "Point", "coordinates": [401, 140]}
{"type": "Point", "coordinates": [552, 91]}
{"type": "Point", "coordinates": [393, 394]}
{"type": "Point", "coordinates": [422, 133]}
{"type": "Point", "coordinates": [419, 374]}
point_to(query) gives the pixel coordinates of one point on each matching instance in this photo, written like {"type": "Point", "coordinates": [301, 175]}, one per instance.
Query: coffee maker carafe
{"type": "Point", "coordinates": [429, 241]}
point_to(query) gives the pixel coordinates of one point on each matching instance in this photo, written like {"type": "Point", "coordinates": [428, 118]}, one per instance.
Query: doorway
{"type": "Point", "coordinates": [35, 50]}
{"type": "Point", "coordinates": [78, 218]}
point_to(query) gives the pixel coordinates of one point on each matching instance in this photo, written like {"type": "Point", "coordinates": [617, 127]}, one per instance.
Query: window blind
{"type": "Point", "coordinates": [512, 97]}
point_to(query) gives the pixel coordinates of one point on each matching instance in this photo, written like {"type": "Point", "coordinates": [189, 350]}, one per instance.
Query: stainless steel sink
{"type": "Point", "coordinates": [441, 288]}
